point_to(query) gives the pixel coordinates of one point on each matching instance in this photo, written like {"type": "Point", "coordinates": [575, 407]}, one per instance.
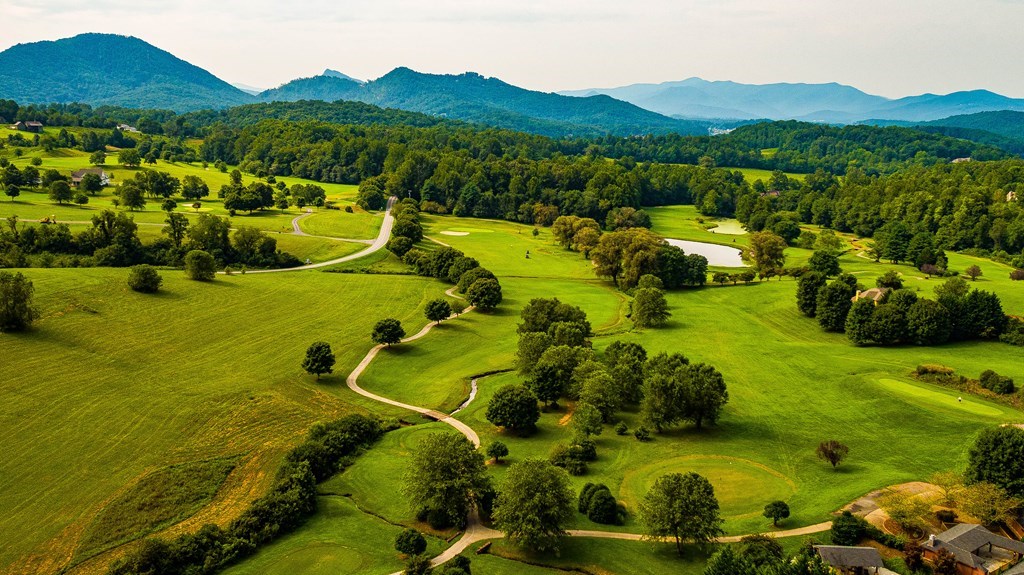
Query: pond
{"type": "Point", "coordinates": [717, 255]}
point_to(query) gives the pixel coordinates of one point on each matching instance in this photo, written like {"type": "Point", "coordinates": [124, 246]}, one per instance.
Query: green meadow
{"type": "Point", "coordinates": [110, 386]}
{"type": "Point", "coordinates": [112, 392]}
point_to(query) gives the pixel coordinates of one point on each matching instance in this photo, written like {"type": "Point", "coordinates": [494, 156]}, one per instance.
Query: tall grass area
{"type": "Point", "coordinates": [110, 385]}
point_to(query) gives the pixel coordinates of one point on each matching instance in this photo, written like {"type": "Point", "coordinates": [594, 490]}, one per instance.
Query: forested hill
{"type": "Point", "coordinates": [355, 113]}
{"type": "Point", "coordinates": [474, 98]}
{"type": "Point", "coordinates": [804, 147]}
{"type": "Point", "coordinates": [114, 70]}
{"type": "Point", "coordinates": [323, 87]}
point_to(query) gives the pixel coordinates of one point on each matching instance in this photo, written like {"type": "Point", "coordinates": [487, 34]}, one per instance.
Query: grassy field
{"type": "Point", "coordinates": [34, 204]}
{"type": "Point", "coordinates": [111, 385]}
{"type": "Point", "coordinates": [338, 539]}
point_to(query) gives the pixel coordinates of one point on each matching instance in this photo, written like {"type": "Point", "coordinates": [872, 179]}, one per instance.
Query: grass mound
{"type": "Point", "coordinates": [159, 499]}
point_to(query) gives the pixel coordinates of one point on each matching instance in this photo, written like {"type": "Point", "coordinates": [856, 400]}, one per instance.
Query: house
{"type": "Point", "coordinates": [1010, 196]}
{"type": "Point", "coordinates": [961, 160]}
{"type": "Point", "coordinates": [30, 126]}
{"type": "Point", "coordinates": [851, 560]}
{"type": "Point", "coordinates": [127, 128]}
{"type": "Point", "coordinates": [76, 177]}
{"type": "Point", "coordinates": [978, 551]}
{"type": "Point", "coordinates": [876, 294]}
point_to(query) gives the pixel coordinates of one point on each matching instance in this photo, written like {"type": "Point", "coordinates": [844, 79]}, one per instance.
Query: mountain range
{"type": "Point", "coordinates": [105, 69]}
{"type": "Point", "coordinates": [831, 103]}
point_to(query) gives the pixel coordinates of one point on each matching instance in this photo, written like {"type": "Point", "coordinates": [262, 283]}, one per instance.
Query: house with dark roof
{"type": "Point", "coordinates": [30, 126]}
{"type": "Point", "coordinates": [76, 177]}
{"type": "Point", "coordinates": [978, 551]}
{"type": "Point", "coordinates": [851, 560]}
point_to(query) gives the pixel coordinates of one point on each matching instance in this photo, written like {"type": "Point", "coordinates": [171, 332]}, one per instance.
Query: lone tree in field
{"type": "Point", "coordinates": [16, 309]}
{"type": "Point", "coordinates": [649, 307]}
{"type": "Point", "coordinates": [438, 310]}
{"type": "Point", "coordinates": [767, 251]}
{"type": "Point", "coordinates": [776, 510]}
{"type": "Point", "coordinates": [825, 263]}
{"type": "Point", "coordinates": [497, 450]}
{"type": "Point", "coordinates": [514, 407]}
{"type": "Point", "coordinates": [319, 359]}
{"type": "Point", "coordinates": [446, 475]}
{"type": "Point", "coordinates": [974, 272]}
{"type": "Point", "coordinates": [200, 266]}
{"type": "Point", "coordinates": [833, 452]}
{"type": "Point", "coordinates": [410, 542]}
{"type": "Point", "coordinates": [388, 331]}
{"type": "Point", "coordinates": [98, 158]}
{"type": "Point", "coordinates": [143, 278]}
{"type": "Point", "coordinates": [681, 506]}
{"type": "Point", "coordinates": [534, 504]}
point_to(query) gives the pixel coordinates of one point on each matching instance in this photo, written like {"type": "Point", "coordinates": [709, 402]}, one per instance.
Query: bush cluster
{"type": "Point", "coordinates": [598, 504]}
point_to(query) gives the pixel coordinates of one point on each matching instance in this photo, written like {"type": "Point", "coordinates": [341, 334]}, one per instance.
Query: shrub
{"type": "Point", "coordinates": [1017, 275]}
{"type": "Point", "coordinates": [598, 504]}
{"type": "Point", "coordinates": [642, 434]}
{"type": "Point", "coordinates": [568, 457]}
{"type": "Point", "coordinates": [497, 450]}
{"type": "Point", "coordinates": [16, 309]}
{"type": "Point", "coordinates": [399, 245]}
{"type": "Point", "coordinates": [848, 529]}
{"type": "Point", "coordinates": [934, 369]}
{"type": "Point", "coordinates": [946, 515]}
{"type": "Point", "coordinates": [410, 542]}
{"type": "Point", "coordinates": [200, 266]}
{"type": "Point", "coordinates": [996, 383]}
{"type": "Point", "coordinates": [143, 278]}
{"type": "Point", "coordinates": [621, 428]}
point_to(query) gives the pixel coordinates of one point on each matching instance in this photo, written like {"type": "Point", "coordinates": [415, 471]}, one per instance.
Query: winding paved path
{"type": "Point", "coordinates": [380, 242]}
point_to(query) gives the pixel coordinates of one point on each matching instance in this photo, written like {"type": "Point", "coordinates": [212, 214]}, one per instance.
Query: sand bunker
{"type": "Point", "coordinates": [451, 233]}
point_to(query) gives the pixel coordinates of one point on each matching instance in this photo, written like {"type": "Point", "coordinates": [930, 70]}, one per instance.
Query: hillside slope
{"type": "Point", "coordinates": [106, 69]}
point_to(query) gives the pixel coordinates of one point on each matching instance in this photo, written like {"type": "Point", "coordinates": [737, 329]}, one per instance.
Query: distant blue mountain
{"type": "Point", "coordinates": [834, 103]}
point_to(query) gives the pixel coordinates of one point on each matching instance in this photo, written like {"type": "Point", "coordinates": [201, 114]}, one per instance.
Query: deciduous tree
{"type": "Point", "coordinates": [683, 507]}
{"type": "Point", "coordinates": [319, 359]}
{"type": "Point", "coordinates": [446, 475]}
{"type": "Point", "coordinates": [534, 504]}
{"type": "Point", "coordinates": [387, 331]}
{"type": "Point", "coordinates": [16, 310]}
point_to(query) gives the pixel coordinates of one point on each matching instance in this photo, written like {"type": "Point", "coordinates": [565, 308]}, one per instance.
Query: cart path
{"type": "Point", "coordinates": [382, 239]}
{"type": "Point", "coordinates": [297, 230]}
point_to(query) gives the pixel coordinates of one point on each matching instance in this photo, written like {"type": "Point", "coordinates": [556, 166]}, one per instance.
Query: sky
{"type": "Point", "coordinates": [888, 47]}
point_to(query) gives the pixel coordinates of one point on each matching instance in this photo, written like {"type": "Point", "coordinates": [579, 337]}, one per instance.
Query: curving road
{"type": "Point", "coordinates": [380, 242]}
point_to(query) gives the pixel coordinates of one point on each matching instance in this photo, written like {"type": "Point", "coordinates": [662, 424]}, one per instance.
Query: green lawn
{"type": "Point", "coordinates": [110, 385]}
{"type": "Point", "coordinates": [338, 539]}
